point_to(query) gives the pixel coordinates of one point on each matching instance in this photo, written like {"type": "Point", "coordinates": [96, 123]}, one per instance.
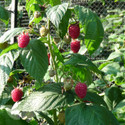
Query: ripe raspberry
{"type": "Point", "coordinates": [74, 31]}
{"type": "Point", "coordinates": [75, 46]}
{"type": "Point", "coordinates": [23, 40]}
{"type": "Point", "coordinates": [16, 94]}
{"type": "Point", "coordinates": [81, 90]}
{"type": "Point", "coordinates": [49, 58]}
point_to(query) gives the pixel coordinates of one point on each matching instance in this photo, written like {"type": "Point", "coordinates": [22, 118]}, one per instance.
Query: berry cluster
{"type": "Point", "coordinates": [74, 32]}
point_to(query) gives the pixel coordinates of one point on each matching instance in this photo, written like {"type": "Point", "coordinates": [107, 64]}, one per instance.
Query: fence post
{"type": "Point", "coordinates": [14, 5]}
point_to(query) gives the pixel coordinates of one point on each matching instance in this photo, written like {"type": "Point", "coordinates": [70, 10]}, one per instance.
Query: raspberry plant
{"type": "Point", "coordinates": [48, 98]}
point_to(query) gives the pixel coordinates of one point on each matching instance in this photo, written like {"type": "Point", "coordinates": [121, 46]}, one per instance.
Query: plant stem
{"type": "Point", "coordinates": [51, 53]}
{"type": "Point", "coordinates": [55, 117]}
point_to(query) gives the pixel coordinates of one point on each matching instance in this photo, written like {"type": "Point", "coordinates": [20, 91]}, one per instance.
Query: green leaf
{"type": "Point", "coordinates": [112, 97]}
{"type": "Point", "coordinates": [10, 33]}
{"type": "Point", "coordinates": [6, 118]}
{"type": "Point", "coordinates": [93, 28]}
{"type": "Point", "coordinates": [11, 47]}
{"type": "Point", "coordinates": [120, 107]}
{"type": "Point", "coordinates": [82, 74]}
{"type": "Point", "coordinates": [114, 55]}
{"type": "Point", "coordinates": [35, 60]}
{"type": "Point", "coordinates": [77, 59]}
{"type": "Point", "coordinates": [49, 120]}
{"type": "Point", "coordinates": [64, 24]}
{"type": "Point", "coordinates": [111, 68]}
{"type": "Point", "coordinates": [6, 64]}
{"type": "Point", "coordinates": [57, 53]}
{"type": "Point", "coordinates": [56, 13]}
{"type": "Point", "coordinates": [17, 71]}
{"type": "Point", "coordinates": [4, 15]}
{"type": "Point", "coordinates": [94, 98]}
{"type": "Point", "coordinates": [47, 98]}
{"type": "Point", "coordinates": [81, 114]}
{"type": "Point", "coordinates": [55, 2]}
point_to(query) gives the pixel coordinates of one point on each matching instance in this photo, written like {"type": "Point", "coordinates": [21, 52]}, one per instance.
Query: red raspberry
{"type": "Point", "coordinates": [16, 94]}
{"type": "Point", "coordinates": [74, 31]}
{"type": "Point", "coordinates": [23, 40]}
{"type": "Point", "coordinates": [75, 46]}
{"type": "Point", "coordinates": [81, 90]}
{"type": "Point", "coordinates": [49, 58]}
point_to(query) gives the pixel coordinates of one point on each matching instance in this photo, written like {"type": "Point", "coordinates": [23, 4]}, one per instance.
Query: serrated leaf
{"type": "Point", "coordinates": [112, 97]}
{"type": "Point", "coordinates": [4, 15]}
{"type": "Point", "coordinates": [56, 13]}
{"type": "Point", "coordinates": [64, 24]}
{"type": "Point", "coordinates": [77, 59]}
{"type": "Point", "coordinates": [35, 60]}
{"type": "Point", "coordinates": [81, 114]}
{"type": "Point", "coordinates": [10, 33]}
{"type": "Point", "coordinates": [94, 98]}
{"type": "Point", "coordinates": [93, 28]}
{"type": "Point", "coordinates": [6, 64]}
{"type": "Point", "coordinates": [47, 98]}
{"type": "Point", "coordinates": [6, 118]}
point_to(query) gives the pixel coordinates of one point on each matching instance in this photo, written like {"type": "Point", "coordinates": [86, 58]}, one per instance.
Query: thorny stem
{"type": "Point", "coordinates": [51, 52]}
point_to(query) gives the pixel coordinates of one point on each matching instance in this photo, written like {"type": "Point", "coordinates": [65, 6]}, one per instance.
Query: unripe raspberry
{"type": "Point", "coordinates": [67, 38]}
{"type": "Point", "coordinates": [16, 94]}
{"type": "Point", "coordinates": [74, 31]}
{"type": "Point", "coordinates": [23, 40]}
{"type": "Point", "coordinates": [52, 72]}
{"type": "Point", "coordinates": [61, 117]}
{"type": "Point", "coordinates": [37, 14]}
{"type": "Point", "coordinates": [43, 31]}
{"type": "Point", "coordinates": [56, 39]}
{"type": "Point", "coordinates": [81, 90]}
{"type": "Point", "coordinates": [75, 46]}
{"type": "Point", "coordinates": [68, 83]}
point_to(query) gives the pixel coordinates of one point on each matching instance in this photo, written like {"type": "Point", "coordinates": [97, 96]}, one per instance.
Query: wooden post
{"type": "Point", "coordinates": [14, 5]}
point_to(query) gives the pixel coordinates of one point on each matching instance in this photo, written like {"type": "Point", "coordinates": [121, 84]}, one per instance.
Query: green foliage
{"type": "Point", "coordinates": [6, 65]}
{"type": "Point", "coordinates": [47, 98]}
{"type": "Point", "coordinates": [93, 28]}
{"type": "Point", "coordinates": [56, 13]}
{"type": "Point", "coordinates": [6, 118]}
{"type": "Point", "coordinates": [94, 98]}
{"type": "Point", "coordinates": [4, 15]}
{"type": "Point", "coordinates": [35, 56]}
{"type": "Point", "coordinates": [91, 115]}
{"type": "Point", "coordinates": [112, 97]}
{"type": "Point", "coordinates": [10, 33]}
